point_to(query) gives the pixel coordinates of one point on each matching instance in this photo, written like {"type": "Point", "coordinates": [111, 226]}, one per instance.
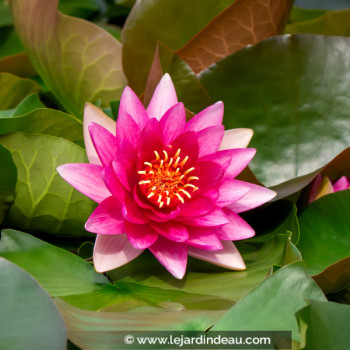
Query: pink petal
{"type": "Point", "coordinates": [140, 236]}
{"type": "Point", "coordinates": [86, 178]}
{"type": "Point", "coordinates": [231, 191]}
{"type": "Point", "coordinates": [236, 229]}
{"type": "Point", "coordinates": [112, 251]}
{"type": "Point", "coordinates": [151, 139]}
{"type": "Point", "coordinates": [132, 212]}
{"type": "Point", "coordinates": [130, 104]}
{"type": "Point", "coordinates": [203, 238]}
{"type": "Point", "coordinates": [236, 138]}
{"type": "Point", "coordinates": [214, 218]}
{"type": "Point", "coordinates": [172, 230]}
{"type": "Point", "coordinates": [210, 116]}
{"type": "Point", "coordinates": [241, 157]}
{"type": "Point", "coordinates": [140, 199]}
{"type": "Point", "coordinates": [106, 218]}
{"type": "Point", "coordinates": [161, 215]}
{"type": "Point", "coordinates": [113, 184]}
{"type": "Point", "coordinates": [314, 189]}
{"type": "Point", "coordinates": [228, 257]}
{"type": "Point", "coordinates": [163, 98]}
{"type": "Point", "coordinates": [209, 176]}
{"type": "Point", "coordinates": [173, 122]}
{"type": "Point", "coordinates": [125, 169]}
{"type": "Point", "coordinates": [92, 114]}
{"type": "Point", "coordinates": [257, 195]}
{"type": "Point", "coordinates": [127, 132]}
{"type": "Point", "coordinates": [104, 142]}
{"type": "Point", "coordinates": [209, 139]}
{"type": "Point", "coordinates": [172, 255]}
{"type": "Point", "coordinates": [342, 184]}
{"type": "Point", "coordinates": [196, 206]}
{"type": "Point", "coordinates": [223, 158]}
{"type": "Point", "coordinates": [188, 144]}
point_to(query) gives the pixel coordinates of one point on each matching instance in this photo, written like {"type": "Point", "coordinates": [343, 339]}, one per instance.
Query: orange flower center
{"type": "Point", "coordinates": [165, 181]}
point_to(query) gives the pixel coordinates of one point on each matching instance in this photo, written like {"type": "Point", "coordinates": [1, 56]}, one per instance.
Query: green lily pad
{"type": "Point", "coordinates": [76, 59]}
{"type": "Point", "coordinates": [293, 91]}
{"type": "Point", "coordinates": [29, 317]}
{"type": "Point", "coordinates": [258, 256]}
{"type": "Point", "coordinates": [8, 179]}
{"type": "Point", "coordinates": [324, 326]}
{"type": "Point", "coordinates": [58, 271]}
{"type": "Point", "coordinates": [173, 23]}
{"type": "Point", "coordinates": [13, 89]}
{"type": "Point", "coordinates": [44, 202]}
{"type": "Point", "coordinates": [272, 304]}
{"type": "Point", "coordinates": [325, 231]}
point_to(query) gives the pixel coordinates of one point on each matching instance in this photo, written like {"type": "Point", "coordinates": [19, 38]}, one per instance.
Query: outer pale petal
{"type": "Point", "coordinates": [172, 255]}
{"type": "Point", "coordinates": [236, 138]}
{"type": "Point", "coordinates": [130, 104]}
{"type": "Point", "coordinates": [86, 178]}
{"type": "Point", "coordinates": [106, 218]}
{"type": "Point", "coordinates": [257, 195]}
{"type": "Point", "coordinates": [92, 114]}
{"type": "Point", "coordinates": [228, 257]}
{"type": "Point", "coordinates": [112, 251]}
{"type": "Point", "coordinates": [173, 122]}
{"type": "Point", "coordinates": [104, 142]}
{"type": "Point", "coordinates": [163, 98]}
{"type": "Point", "coordinates": [210, 116]}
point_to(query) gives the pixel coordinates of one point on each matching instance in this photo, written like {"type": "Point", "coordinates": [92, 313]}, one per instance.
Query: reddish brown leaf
{"type": "Point", "coordinates": [244, 22]}
{"type": "Point", "coordinates": [17, 64]}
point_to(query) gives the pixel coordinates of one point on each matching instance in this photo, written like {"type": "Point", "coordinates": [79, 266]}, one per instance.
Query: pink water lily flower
{"type": "Point", "coordinates": [323, 185]}
{"type": "Point", "coordinates": [165, 184]}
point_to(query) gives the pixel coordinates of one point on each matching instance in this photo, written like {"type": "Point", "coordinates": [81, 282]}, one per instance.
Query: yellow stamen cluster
{"type": "Point", "coordinates": [165, 180]}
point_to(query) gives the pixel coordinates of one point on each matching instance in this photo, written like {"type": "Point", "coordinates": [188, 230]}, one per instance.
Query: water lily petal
{"type": "Point", "coordinates": [196, 206]}
{"type": "Point", "coordinates": [216, 217]}
{"type": "Point", "coordinates": [163, 98]}
{"type": "Point", "coordinates": [236, 229]}
{"type": "Point", "coordinates": [257, 195]}
{"type": "Point", "coordinates": [106, 218]}
{"type": "Point", "coordinates": [140, 236]}
{"type": "Point", "coordinates": [173, 122]}
{"type": "Point", "coordinates": [203, 238]}
{"type": "Point", "coordinates": [151, 139]}
{"type": "Point", "coordinates": [209, 176]}
{"type": "Point", "coordinates": [130, 104]}
{"type": "Point", "coordinates": [342, 184]}
{"type": "Point", "coordinates": [241, 157]}
{"type": "Point", "coordinates": [86, 178]}
{"type": "Point", "coordinates": [113, 184]}
{"type": "Point", "coordinates": [188, 144]}
{"type": "Point", "coordinates": [231, 191]}
{"type": "Point", "coordinates": [132, 212]}
{"type": "Point", "coordinates": [209, 139]}
{"type": "Point", "coordinates": [229, 257]}
{"type": "Point", "coordinates": [104, 142]}
{"type": "Point", "coordinates": [125, 169]}
{"type": "Point", "coordinates": [212, 115]}
{"type": "Point", "coordinates": [127, 132]}
{"type": "Point", "coordinates": [172, 255]}
{"type": "Point", "coordinates": [140, 199]}
{"type": "Point", "coordinates": [92, 114]}
{"type": "Point", "coordinates": [172, 230]}
{"type": "Point", "coordinates": [113, 251]}
{"type": "Point", "coordinates": [236, 138]}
